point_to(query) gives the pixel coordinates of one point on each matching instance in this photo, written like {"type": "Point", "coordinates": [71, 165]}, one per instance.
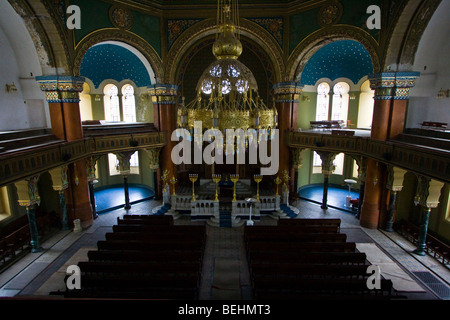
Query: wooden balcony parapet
{"type": "Point", "coordinates": [25, 160]}
{"type": "Point", "coordinates": [421, 159]}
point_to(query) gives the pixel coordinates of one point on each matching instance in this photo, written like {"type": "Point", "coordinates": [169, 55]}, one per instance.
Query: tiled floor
{"type": "Point", "coordinates": [38, 274]}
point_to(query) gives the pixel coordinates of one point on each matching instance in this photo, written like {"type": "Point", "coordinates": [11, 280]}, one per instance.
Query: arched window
{"type": "Point", "coordinates": [322, 109]}
{"type": "Point", "coordinates": [111, 103]}
{"type": "Point", "coordinates": [113, 113]}
{"type": "Point", "coordinates": [86, 103]}
{"type": "Point", "coordinates": [339, 109]}
{"type": "Point", "coordinates": [338, 162]}
{"type": "Point", "coordinates": [365, 110]}
{"type": "Point", "coordinates": [128, 103]}
{"type": "Point", "coordinates": [323, 101]}
{"type": "Point", "coordinates": [129, 115]}
{"type": "Point", "coordinates": [113, 164]}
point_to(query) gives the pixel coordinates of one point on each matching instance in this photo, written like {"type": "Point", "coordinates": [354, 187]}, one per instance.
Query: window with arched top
{"type": "Point", "coordinates": [113, 112]}
{"type": "Point", "coordinates": [128, 103]}
{"type": "Point", "coordinates": [366, 103]}
{"type": "Point", "coordinates": [111, 103]}
{"type": "Point", "coordinates": [323, 101]}
{"type": "Point", "coordinates": [339, 110]}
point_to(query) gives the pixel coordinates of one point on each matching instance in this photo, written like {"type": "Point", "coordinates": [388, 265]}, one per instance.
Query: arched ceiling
{"type": "Point", "coordinates": [110, 61]}
{"type": "Point", "coordinates": [339, 59]}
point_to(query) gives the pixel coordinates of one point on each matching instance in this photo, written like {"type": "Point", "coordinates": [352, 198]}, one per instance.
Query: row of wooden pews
{"type": "Point", "coordinates": [308, 259]}
{"type": "Point", "coordinates": [144, 257]}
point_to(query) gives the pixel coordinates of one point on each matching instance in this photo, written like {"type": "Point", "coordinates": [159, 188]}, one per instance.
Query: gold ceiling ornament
{"type": "Point", "coordinates": [227, 92]}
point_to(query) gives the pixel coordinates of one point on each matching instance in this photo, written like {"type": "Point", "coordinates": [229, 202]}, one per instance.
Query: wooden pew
{"type": "Point", "coordinates": [310, 222]}
{"type": "Point", "coordinates": [155, 256]}
{"type": "Point", "coordinates": [308, 257]}
{"type": "Point", "coordinates": [308, 270]}
{"type": "Point", "coordinates": [291, 229]}
{"type": "Point", "coordinates": [254, 247]}
{"type": "Point", "coordinates": [301, 237]}
{"type": "Point", "coordinates": [119, 267]}
{"type": "Point", "coordinates": [133, 281]}
{"type": "Point", "coordinates": [146, 293]}
{"type": "Point", "coordinates": [149, 245]}
{"type": "Point", "coordinates": [145, 221]}
{"type": "Point", "coordinates": [288, 287]}
{"type": "Point", "coordinates": [154, 236]}
{"type": "Point", "coordinates": [159, 229]}
{"type": "Point", "coordinates": [162, 218]}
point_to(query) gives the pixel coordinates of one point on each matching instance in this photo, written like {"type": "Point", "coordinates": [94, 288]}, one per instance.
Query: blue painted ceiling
{"type": "Point", "coordinates": [340, 59]}
{"type": "Point", "coordinates": [109, 61]}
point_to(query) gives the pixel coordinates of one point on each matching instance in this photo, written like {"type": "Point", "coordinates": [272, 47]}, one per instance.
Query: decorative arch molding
{"type": "Point", "coordinates": [116, 35]}
{"type": "Point", "coordinates": [208, 27]}
{"type": "Point", "coordinates": [51, 48]}
{"type": "Point", "coordinates": [399, 54]}
{"type": "Point", "coordinates": [309, 46]}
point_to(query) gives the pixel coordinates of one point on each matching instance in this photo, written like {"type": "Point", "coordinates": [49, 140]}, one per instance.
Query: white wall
{"type": "Point", "coordinates": [19, 63]}
{"type": "Point", "coordinates": [433, 63]}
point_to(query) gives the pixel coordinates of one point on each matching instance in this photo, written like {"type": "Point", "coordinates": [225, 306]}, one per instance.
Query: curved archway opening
{"type": "Point", "coordinates": [342, 58]}
{"type": "Point", "coordinates": [118, 61]}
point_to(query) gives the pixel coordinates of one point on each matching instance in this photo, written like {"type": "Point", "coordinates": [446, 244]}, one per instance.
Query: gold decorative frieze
{"type": "Point", "coordinates": [393, 85]}
{"type": "Point", "coordinates": [61, 88]}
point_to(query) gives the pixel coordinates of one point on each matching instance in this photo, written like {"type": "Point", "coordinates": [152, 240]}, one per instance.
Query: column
{"type": "Point", "coordinates": [62, 94]}
{"type": "Point", "coordinates": [297, 164]}
{"type": "Point", "coordinates": [429, 192]}
{"type": "Point", "coordinates": [28, 197]}
{"type": "Point", "coordinates": [362, 169]}
{"type": "Point", "coordinates": [164, 97]}
{"type": "Point", "coordinates": [395, 185]}
{"type": "Point", "coordinates": [286, 102]}
{"type": "Point", "coordinates": [90, 170]}
{"type": "Point", "coordinates": [153, 157]}
{"type": "Point", "coordinates": [124, 169]}
{"type": "Point", "coordinates": [391, 97]}
{"type": "Point", "coordinates": [60, 184]}
{"type": "Point", "coordinates": [327, 169]}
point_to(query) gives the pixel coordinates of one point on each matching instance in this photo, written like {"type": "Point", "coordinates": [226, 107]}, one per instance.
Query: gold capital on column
{"type": "Point", "coordinates": [59, 178]}
{"type": "Point", "coordinates": [27, 191]}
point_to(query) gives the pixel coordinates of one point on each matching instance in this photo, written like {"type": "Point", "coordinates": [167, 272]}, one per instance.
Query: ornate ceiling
{"type": "Point", "coordinates": [109, 61]}
{"type": "Point", "coordinates": [345, 58]}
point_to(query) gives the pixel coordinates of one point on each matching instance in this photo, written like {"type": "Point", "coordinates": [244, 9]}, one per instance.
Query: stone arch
{"type": "Point", "coordinates": [119, 37]}
{"type": "Point", "coordinates": [207, 28]}
{"type": "Point", "coordinates": [401, 48]}
{"type": "Point", "coordinates": [309, 46]}
{"type": "Point", "coordinates": [47, 35]}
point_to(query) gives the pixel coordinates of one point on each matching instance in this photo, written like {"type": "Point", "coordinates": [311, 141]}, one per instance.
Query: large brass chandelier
{"type": "Point", "coordinates": [227, 92]}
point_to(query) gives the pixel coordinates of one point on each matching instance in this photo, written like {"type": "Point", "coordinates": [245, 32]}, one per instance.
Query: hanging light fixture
{"type": "Point", "coordinates": [227, 92]}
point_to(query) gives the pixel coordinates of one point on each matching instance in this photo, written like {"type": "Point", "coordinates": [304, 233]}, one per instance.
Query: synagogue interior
{"type": "Point", "coordinates": [225, 149]}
